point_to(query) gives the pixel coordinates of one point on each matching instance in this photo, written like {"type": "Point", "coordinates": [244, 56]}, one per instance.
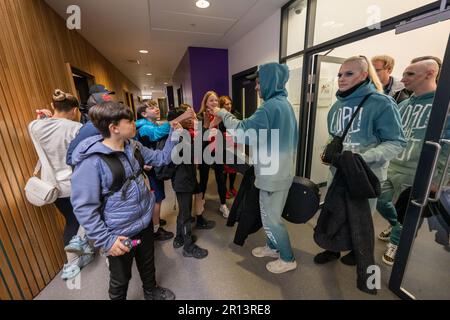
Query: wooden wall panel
{"type": "Point", "coordinates": [35, 47]}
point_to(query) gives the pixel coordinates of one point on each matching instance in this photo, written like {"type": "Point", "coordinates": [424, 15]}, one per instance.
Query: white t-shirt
{"type": "Point", "coordinates": [54, 137]}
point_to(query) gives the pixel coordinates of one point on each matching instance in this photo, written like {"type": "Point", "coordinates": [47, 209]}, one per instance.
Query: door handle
{"type": "Point", "coordinates": [444, 175]}
{"type": "Point", "coordinates": [430, 180]}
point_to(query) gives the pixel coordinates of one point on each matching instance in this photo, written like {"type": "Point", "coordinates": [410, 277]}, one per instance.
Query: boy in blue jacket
{"type": "Point", "coordinates": [110, 217]}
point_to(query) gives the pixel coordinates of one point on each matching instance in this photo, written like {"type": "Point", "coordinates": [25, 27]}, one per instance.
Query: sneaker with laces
{"type": "Point", "coordinates": [79, 246]}
{"type": "Point", "coordinates": [202, 223]}
{"type": "Point", "coordinates": [70, 270]}
{"type": "Point", "coordinates": [196, 252]}
{"type": "Point", "coordinates": [224, 210]}
{"type": "Point", "coordinates": [280, 266]}
{"type": "Point", "coordinates": [261, 252]}
{"type": "Point", "coordinates": [386, 234]}
{"type": "Point", "coordinates": [84, 260]}
{"type": "Point", "coordinates": [389, 254]}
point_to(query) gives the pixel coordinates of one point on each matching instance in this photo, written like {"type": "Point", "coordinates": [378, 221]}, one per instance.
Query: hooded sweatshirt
{"type": "Point", "coordinates": [274, 171]}
{"type": "Point", "coordinates": [376, 133]}
{"type": "Point", "coordinates": [126, 212]}
{"type": "Point", "coordinates": [415, 113]}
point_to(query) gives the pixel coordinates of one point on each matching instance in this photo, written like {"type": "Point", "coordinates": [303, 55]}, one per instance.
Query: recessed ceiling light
{"type": "Point", "coordinates": [149, 74]}
{"type": "Point", "coordinates": [143, 51]}
{"type": "Point", "coordinates": [202, 4]}
{"type": "Point", "coordinates": [165, 83]}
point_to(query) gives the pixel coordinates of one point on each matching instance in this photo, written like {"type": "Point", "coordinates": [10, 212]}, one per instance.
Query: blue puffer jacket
{"type": "Point", "coordinates": [91, 181]}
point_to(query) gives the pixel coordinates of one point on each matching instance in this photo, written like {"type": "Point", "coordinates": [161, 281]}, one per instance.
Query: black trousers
{"type": "Point", "coordinates": [232, 177]}
{"type": "Point", "coordinates": [184, 227]}
{"type": "Point", "coordinates": [72, 225]}
{"type": "Point", "coordinates": [120, 267]}
{"type": "Point", "coordinates": [220, 180]}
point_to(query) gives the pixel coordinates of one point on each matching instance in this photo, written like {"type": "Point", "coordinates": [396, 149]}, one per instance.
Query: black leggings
{"type": "Point", "coordinates": [184, 227]}
{"type": "Point", "coordinates": [220, 179]}
{"type": "Point", "coordinates": [232, 179]}
{"type": "Point", "coordinates": [72, 225]}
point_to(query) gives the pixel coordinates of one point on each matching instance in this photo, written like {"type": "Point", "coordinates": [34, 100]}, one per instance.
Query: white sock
{"type": "Point", "coordinates": [155, 228]}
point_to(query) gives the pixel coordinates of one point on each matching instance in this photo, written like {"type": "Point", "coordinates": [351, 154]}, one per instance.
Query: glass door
{"type": "Point", "coordinates": [321, 96]}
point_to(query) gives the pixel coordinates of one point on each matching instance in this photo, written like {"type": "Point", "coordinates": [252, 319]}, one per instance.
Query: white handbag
{"type": "Point", "coordinates": [37, 191]}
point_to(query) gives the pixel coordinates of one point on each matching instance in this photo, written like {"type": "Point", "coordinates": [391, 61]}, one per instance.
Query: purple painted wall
{"type": "Point", "coordinates": [201, 70]}
{"type": "Point", "coordinates": [209, 71]}
{"type": "Point", "coordinates": [182, 77]}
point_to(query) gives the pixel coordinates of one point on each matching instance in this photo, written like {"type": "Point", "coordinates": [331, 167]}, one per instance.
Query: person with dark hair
{"type": "Point", "coordinates": [111, 217]}
{"type": "Point", "coordinates": [98, 95]}
{"type": "Point", "coordinates": [52, 133]}
{"type": "Point", "coordinates": [149, 132]}
{"type": "Point", "coordinates": [184, 183]}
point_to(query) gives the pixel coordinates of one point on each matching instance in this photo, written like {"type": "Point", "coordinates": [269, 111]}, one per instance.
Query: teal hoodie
{"type": "Point", "coordinates": [415, 113]}
{"type": "Point", "coordinates": [275, 113]}
{"type": "Point", "coordinates": [376, 132]}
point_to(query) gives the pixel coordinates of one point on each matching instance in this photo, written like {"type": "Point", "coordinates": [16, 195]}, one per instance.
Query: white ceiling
{"type": "Point", "coordinates": [120, 28]}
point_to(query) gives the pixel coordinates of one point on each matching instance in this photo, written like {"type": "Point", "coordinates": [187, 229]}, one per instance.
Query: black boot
{"type": "Point", "coordinates": [326, 256]}
{"type": "Point", "coordinates": [195, 252]}
{"type": "Point", "coordinates": [349, 259]}
{"type": "Point", "coordinates": [159, 293]}
{"type": "Point", "coordinates": [178, 241]}
{"type": "Point", "coordinates": [202, 223]}
{"type": "Point", "coordinates": [162, 235]}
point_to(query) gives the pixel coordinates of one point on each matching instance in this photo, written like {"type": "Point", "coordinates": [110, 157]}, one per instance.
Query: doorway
{"type": "Point", "coordinates": [245, 100]}
{"type": "Point", "coordinates": [82, 81]}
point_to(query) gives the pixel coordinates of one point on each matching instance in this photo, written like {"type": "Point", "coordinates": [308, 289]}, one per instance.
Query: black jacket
{"type": "Point", "coordinates": [245, 209]}
{"type": "Point", "coordinates": [345, 222]}
{"type": "Point", "coordinates": [185, 176]}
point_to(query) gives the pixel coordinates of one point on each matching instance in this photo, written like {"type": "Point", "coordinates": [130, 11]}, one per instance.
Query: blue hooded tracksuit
{"type": "Point", "coordinates": [126, 212]}
{"type": "Point", "coordinates": [275, 179]}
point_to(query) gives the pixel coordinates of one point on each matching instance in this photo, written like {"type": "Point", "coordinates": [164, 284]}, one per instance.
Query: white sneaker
{"type": "Point", "coordinates": [261, 252]}
{"type": "Point", "coordinates": [280, 266]}
{"type": "Point", "coordinates": [389, 254]}
{"type": "Point", "coordinates": [225, 211]}
{"type": "Point", "coordinates": [386, 234]}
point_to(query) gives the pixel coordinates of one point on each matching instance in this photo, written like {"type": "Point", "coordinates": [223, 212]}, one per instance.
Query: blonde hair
{"type": "Point", "coordinates": [367, 66]}
{"type": "Point", "coordinates": [388, 61]}
{"type": "Point", "coordinates": [205, 100]}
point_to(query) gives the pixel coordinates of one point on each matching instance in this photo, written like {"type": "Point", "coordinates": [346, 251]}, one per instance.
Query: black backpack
{"type": "Point", "coordinates": [166, 172]}
{"type": "Point", "coordinates": [118, 172]}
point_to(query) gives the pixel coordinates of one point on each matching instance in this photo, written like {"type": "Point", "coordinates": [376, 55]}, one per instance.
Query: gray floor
{"type": "Point", "coordinates": [231, 272]}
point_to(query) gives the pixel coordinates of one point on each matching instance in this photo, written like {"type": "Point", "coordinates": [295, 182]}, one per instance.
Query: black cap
{"type": "Point", "coordinates": [253, 76]}
{"type": "Point", "coordinates": [99, 88]}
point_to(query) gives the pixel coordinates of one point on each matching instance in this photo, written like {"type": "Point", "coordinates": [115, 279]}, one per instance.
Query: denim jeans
{"type": "Point", "coordinates": [272, 205]}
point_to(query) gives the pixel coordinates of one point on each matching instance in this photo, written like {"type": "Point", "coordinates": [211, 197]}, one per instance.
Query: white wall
{"type": "Point", "coordinates": [259, 46]}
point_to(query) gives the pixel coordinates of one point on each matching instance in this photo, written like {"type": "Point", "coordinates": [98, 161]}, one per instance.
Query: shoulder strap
{"type": "Point", "coordinates": [347, 128]}
{"type": "Point", "coordinates": [117, 170]}
{"type": "Point", "coordinates": [42, 157]}
{"type": "Point", "coordinates": [137, 154]}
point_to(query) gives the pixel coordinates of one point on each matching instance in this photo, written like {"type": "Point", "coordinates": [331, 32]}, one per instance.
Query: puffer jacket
{"type": "Point", "coordinates": [124, 213]}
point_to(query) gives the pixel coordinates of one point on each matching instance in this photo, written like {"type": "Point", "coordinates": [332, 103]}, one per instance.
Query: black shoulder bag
{"type": "Point", "coordinates": [337, 144]}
